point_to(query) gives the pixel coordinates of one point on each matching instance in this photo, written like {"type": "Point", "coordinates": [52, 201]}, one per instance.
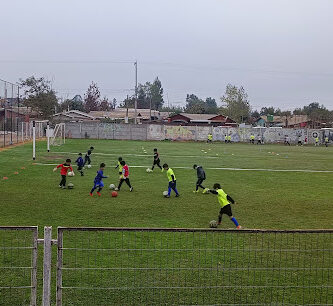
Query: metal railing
{"type": "Point", "coordinates": [140, 266]}
{"type": "Point", "coordinates": [18, 265]}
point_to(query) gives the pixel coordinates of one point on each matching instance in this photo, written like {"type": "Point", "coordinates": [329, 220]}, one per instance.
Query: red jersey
{"type": "Point", "coordinates": [125, 171]}
{"type": "Point", "coordinates": [64, 169]}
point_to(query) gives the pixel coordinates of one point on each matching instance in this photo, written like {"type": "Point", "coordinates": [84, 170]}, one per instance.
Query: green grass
{"type": "Point", "coordinates": [277, 200]}
{"type": "Point", "coordinates": [265, 199]}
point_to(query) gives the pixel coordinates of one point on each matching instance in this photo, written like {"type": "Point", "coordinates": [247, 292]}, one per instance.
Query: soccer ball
{"type": "Point", "coordinates": [165, 193]}
{"type": "Point", "coordinates": [70, 173]}
{"type": "Point", "coordinates": [70, 186]}
{"type": "Point", "coordinates": [114, 194]}
{"type": "Point", "coordinates": [213, 224]}
{"type": "Point", "coordinates": [89, 166]}
{"type": "Point", "coordinates": [112, 186]}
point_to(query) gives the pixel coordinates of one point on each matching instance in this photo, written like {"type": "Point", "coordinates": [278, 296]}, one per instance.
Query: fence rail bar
{"type": "Point", "coordinates": [19, 228]}
{"type": "Point", "coordinates": [191, 230]}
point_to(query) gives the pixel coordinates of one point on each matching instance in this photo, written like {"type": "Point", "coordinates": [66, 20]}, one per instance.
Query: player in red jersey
{"type": "Point", "coordinates": [124, 176]}
{"type": "Point", "coordinates": [63, 172]}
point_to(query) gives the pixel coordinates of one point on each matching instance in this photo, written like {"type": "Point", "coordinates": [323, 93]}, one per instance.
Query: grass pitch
{"type": "Point", "coordinates": [265, 199]}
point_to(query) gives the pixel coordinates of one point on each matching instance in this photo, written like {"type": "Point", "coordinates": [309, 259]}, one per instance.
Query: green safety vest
{"type": "Point", "coordinates": [222, 197]}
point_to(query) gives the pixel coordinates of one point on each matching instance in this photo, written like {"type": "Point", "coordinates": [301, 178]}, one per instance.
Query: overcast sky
{"type": "Point", "coordinates": [279, 50]}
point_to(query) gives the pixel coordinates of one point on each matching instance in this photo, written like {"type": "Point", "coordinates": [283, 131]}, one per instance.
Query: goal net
{"type": "Point", "coordinates": [57, 135]}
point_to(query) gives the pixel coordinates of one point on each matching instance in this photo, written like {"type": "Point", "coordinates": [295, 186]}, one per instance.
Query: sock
{"type": "Point", "coordinates": [196, 188]}
{"type": "Point", "coordinates": [233, 219]}
{"type": "Point", "coordinates": [169, 191]}
{"type": "Point", "coordinates": [92, 190]}
{"type": "Point", "coordinates": [100, 189]}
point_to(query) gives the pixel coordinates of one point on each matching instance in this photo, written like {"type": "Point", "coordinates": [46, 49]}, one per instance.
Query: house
{"type": "Point", "coordinates": [23, 113]}
{"type": "Point", "coordinates": [295, 121]}
{"type": "Point", "coordinates": [72, 116]}
{"type": "Point", "coordinates": [201, 119]}
{"type": "Point", "coordinates": [121, 115]}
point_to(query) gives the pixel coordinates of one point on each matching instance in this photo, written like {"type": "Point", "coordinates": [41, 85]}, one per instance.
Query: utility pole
{"type": "Point", "coordinates": [136, 92]}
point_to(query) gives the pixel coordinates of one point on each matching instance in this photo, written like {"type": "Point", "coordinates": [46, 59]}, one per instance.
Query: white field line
{"type": "Point", "coordinates": [228, 169]}
{"type": "Point", "coordinates": [139, 155]}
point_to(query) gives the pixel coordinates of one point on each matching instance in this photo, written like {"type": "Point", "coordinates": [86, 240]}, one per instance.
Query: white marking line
{"type": "Point", "coordinates": [228, 169]}
{"type": "Point", "coordinates": [139, 155]}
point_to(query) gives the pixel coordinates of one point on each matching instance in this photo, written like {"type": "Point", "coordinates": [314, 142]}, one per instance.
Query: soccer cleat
{"type": "Point", "coordinates": [177, 195]}
{"type": "Point", "coordinates": [131, 189]}
{"type": "Point", "coordinates": [116, 189]}
{"type": "Point", "coordinates": [195, 191]}
{"type": "Point", "coordinates": [91, 194]}
{"type": "Point", "coordinates": [63, 187]}
{"type": "Point", "coordinates": [167, 196]}
{"type": "Point", "coordinates": [238, 227]}
{"type": "Point", "coordinates": [205, 190]}
{"type": "Point", "coordinates": [60, 186]}
{"type": "Point", "coordinates": [99, 194]}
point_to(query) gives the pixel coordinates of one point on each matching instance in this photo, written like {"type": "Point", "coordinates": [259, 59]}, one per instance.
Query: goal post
{"type": "Point", "coordinates": [57, 135]}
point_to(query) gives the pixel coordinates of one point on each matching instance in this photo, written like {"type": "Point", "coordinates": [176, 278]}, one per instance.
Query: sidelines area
{"type": "Point", "coordinates": [228, 169]}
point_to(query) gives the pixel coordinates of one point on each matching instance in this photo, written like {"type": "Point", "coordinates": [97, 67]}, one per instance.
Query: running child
{"type": "Point", "coordinates": [224, 201]}
{"type": "Point", "coordinates": [172, 181]}
{"type": "Point", "coordinates": [98, 181]}
{"type": "Point", "coordinates": [80, 164]}
{"type": "Point", "coordinates": [326, 141]}
{"type": "Point", "coordinates": [201, 175]}
{"type": "Point", "coordinates": [156, 160]}
{"type": "Point", "coordinates": [124, 177]}
{"type": "Point", "coordinates": [87, 156]}
{"type": "Point", "coordinates": [63, 172]}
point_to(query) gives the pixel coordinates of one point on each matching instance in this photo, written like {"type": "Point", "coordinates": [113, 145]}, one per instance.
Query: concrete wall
{"type": "Point", "coordinates": [96, 130]}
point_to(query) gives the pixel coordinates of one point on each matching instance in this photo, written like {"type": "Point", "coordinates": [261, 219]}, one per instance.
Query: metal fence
{"type": "Point", "coordinates": [18, 265]}
{"type": "Point", "coordinates": [132, 266]}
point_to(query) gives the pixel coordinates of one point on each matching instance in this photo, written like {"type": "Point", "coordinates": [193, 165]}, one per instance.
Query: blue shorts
{"type": "Point", "coordinates": [99, 184]}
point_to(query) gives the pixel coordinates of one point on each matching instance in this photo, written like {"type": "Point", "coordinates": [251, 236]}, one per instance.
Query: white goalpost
{"type": "Point", "coordinates": [57, 135]}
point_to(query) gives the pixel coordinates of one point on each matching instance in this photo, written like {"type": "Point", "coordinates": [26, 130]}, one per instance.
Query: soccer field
{"type": "Point", "coordinates": [275, 186]}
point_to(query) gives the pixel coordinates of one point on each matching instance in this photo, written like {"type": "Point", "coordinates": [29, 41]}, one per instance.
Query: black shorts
{"type": "Point", "coordinates": [226, 210]}
{"type": "Point", "coordinates": [157, 161]}
{"type": "Point", "coordinates": [200, 181]}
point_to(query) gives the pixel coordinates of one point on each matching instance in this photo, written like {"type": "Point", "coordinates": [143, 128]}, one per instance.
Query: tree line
{"type": "Point", "coordinates": [234, 103]}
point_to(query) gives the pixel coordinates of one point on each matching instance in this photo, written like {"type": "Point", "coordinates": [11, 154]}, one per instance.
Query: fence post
{"type": "Point", "coordinates": [59, 268]}
{"type": "Point", "coordinates": [47, 266]}
{"type": "Point", "coordinates": [33, 300]}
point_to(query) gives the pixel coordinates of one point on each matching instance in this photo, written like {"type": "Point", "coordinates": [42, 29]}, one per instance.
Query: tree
{"type": "Point", "coordinates": [38, 94]}
{"type": "Point", "coordinates": [73, 104]}
{"type": "Point", "coordinates": [156, 94]}
{"type": "Point", "coordinates": [236, 104]}
{"type": "Point", "coordinates": [211, 106]}
{"type": "Point", "coordinates": [91, 98]}
{"type": "Point", "coordinates": [270, 111]}
{"type": "Point", "coordinates": [255, 114]}
{"type": "Point", "coordinates": [194, 105]}
{"type": "Point", "coordinates": [105, 105]}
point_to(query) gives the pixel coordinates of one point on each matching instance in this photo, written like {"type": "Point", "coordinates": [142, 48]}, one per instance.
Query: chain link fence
{"type": "Point", "coordinates": [131, 266]}
{"type": "Point", "coordinates": [18, 265]}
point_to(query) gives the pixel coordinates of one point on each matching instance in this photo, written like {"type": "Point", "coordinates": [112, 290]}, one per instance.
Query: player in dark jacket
{"type": "Point", "coordinates": [201, 175]}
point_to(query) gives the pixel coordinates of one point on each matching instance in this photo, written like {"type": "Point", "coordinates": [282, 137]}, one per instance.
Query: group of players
{"type": "Point", "coordinates": [224, 199]}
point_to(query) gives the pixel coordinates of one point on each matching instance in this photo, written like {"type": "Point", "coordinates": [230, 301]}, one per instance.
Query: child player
{"type": "Point", "coordinates": [87, 156]}
{"type": "Point", "coordinates": [201, 175]}
{"type": "Point", "coordinates": [224, 201]}
{"type": "Point", "coordinates": [98, 182]}
{"type": "Point", "coordinates": [63, 172]}
{"type": "Point", "coordinates": [172, 181]}
{"type": "Point", "coordinates": [125, 176]}
{"type": "Point", "coordinates": [156, 160]}
{"type": "Point", "coordinates": [80, 164]}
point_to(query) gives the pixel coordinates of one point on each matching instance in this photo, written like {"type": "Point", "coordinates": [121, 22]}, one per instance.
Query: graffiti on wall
{"type": "Point", "coordinates": [179, 133]}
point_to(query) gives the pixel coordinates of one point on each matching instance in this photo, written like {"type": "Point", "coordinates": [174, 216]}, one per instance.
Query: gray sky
{"type": "Point", "coordinates": [279, 50]}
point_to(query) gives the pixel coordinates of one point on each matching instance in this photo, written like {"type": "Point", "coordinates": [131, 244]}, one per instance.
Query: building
{"type": "Point", "coordinates": [126, 115]}
{"type": "Point", "coordinates": [201, 119]}
{"type": "Point", "coordinates": [295, 121]}
{"type": "Point", "coordinates": [72, 116]}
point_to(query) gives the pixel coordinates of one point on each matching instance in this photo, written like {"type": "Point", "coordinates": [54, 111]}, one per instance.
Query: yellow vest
{"type": "Point", "coordinates": [222, 197]}
{"type": "Point", "coordinates": [210, 137]}
{"type": "Point", "coordinates": [120, 167]}
{"type": "Point", "coordinates": [229, 137]}
{"type": "Point", "coordinates": [317, 139]}
{"type": "Point", "coordinates": [169, 173]}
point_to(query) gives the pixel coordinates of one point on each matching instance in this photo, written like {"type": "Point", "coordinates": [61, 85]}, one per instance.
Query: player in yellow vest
{"type": "Point", "coordinates": [210, 138]}
{"type": "Point", "coordinates": [172, 181]}
{"type": "Point", "coordinates": [224, 201]}
{"type": "Point", "coordinates": [326, 141]}
{"type": "Point", "coordinates": [225, 138]}
{"type": "Point", "coordinates": [229, 139]}
{"type": "Point", "coordinates": [317, 141]}
{"type": "Point", "coordinates": [252, 138]}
